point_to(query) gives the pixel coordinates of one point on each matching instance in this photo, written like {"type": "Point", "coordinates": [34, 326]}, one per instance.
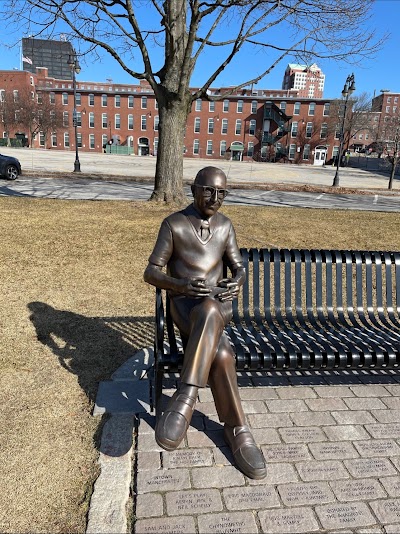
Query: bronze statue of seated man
{"type": "Point", "coordinates": [193, 245]}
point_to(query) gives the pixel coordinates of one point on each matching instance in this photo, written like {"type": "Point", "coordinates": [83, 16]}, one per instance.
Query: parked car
{"type": "Point", "coordinates": [10, 167]}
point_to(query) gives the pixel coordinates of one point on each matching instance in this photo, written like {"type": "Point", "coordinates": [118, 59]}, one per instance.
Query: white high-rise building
{"type": "Point", "coordinates": [308, 80]}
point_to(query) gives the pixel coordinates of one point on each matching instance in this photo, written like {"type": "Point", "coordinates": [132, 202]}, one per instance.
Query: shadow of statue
{"type": "Point", "coordinates": [92, 348]}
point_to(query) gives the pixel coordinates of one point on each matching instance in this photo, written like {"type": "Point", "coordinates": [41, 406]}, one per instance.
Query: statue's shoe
{"type": "Point", "coordinates": [172, 426]}
{"type": "Point", "coordinates": [248, 457]}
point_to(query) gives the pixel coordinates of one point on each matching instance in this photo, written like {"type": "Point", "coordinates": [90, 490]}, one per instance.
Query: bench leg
{"type": "Point", "coordinates": [158, 378]}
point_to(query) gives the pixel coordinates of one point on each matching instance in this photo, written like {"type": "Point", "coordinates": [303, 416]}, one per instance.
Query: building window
{"type": "Point", "coordinates": [210, 126]}
{"type": "Point", "coordinates": [91, 141]}
{"type": "Point", "coordinates": [327, 106]}
{"type": "Point", "coordinates": [225, 105]}
{"type": "Point", "coordinates": [196, 147]}
{"type": "Point", "coordinates": [224, 126]}
{"type": "Point", "coordinates": [198, 104]}
{"type": "Point", "coordinates": [306, 152]}
{"type": "Point", "coordinates": [155, 144]}
{"type": "Point", "coordinates": [360, 136]}
{"type": "Point", "coordinates": [239, 106]}
{"type": "Point", "coordinates": [66, 139]}
{"type": "Point", "coordinates": [104, 139]}
{"type": "Point", "coordinates": [117, 101]}
{"type": "Point", "coordinates": [15, 95]}
{"type": "Point", "coordinates": [211, 106]}
{"type": "Point", "coordinates": [91, 99]}
{"type": "Point", "coordinates": [117, 120]}
{"type": "Point", "coordinates": [143, 122]}
{"type": "Point", "coordinates": [79, 138]}
{"type": "Point", "coordinates": [335, 152]}
{"type": "Point", "coordinates": [41, 139]}
{"type": "Point", "coordinates": [209, 148]}
{"type": "Point", "coordinates": [311, 108]}
{"type": "Point", "coordinates": [104, 100]}
{"type": "Point", "coordinates": [292, 151]}
{"type": "Point", "coordinates": [254, 105]}
{"type": "Point", "coordinates": [283, 106]}
{"type": "Point", "coordinates": [296, 108]}
{"type": "Point", "coordinates": [78, 99]}
{"type": "Point", "coordinates": [250, 149]}
{"type": "Point", "coordinates": [252, 127]}
{"type": "Point", "coordinates": [294, 129]}
{"type": "Point", "coordinates": [238, 127]}
{"type": "Point", "coordinates": [143, 103]}
{"type": "Point", "coordinates": [52, 98]}
{"type": "Point", "coordinates": [130, 101]}
{"type": "Point", "coordinates": [387, 109]}
{"type": "Point", "coordinates": [78, 118]}
{"type": "Point", "coordinates": [91, 120]}
{"type": "Point", "coordinates": [130, 122]}
{"type": "Point", "coordinates": [156, 123]}
{"type": "Point", "coordinates": [65, 118]}
{"type": "Point", "coordinates": [309, 129]}
{"type": "Point", "coordinates": [337, 132]}
{"type": "Point", "coordinates": [324, 130]}
{"type": "Point", "coordinates": [65, 99]}
{"type": "Point", "coordinates": [222, 148]}
{"type": "Point", "coordinates": [104, 120]}
{"type": "Point", "coordinates": [197, 125]}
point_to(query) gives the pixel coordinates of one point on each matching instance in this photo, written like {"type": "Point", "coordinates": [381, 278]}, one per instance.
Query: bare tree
{"type": "Point", "coordinates": [163, 43]}
{"type": "Point", "coordinates": [8, 112]}
{"type": "Point", "coordinates": [389, 137]}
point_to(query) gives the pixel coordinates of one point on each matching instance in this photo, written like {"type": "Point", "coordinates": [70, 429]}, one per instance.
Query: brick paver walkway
{"type": "Point", "coordinates": [331, 442]}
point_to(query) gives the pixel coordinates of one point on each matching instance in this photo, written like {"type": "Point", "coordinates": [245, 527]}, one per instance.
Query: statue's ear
{"type": "Point", "coordinates": [192, 189]}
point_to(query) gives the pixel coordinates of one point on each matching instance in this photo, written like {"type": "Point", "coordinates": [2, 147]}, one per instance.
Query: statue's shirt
{"type": "Point", "coordinates": [180, 247]}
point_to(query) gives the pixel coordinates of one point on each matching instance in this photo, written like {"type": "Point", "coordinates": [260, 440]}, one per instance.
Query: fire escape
{"type": "Point", "coordinates": [276, 124]}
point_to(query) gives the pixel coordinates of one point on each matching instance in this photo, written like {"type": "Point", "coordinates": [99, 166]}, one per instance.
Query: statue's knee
{"type": "Point", "coordinates": [208, 309]}
{"type": "Point", "coordinates": [224, 360]}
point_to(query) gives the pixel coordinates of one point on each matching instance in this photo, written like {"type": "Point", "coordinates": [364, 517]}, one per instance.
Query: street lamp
{"type": "Point", "coordinates": [75, 68]}
{"type": "Point", "coordinates": [348, 89]}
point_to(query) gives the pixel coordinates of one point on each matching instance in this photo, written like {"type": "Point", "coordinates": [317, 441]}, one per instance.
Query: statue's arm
{"type": "Point", "coordinates": [155, 276]}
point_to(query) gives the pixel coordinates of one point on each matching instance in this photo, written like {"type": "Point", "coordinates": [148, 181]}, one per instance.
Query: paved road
{"type": "Point", "coordinates": [80, 188]}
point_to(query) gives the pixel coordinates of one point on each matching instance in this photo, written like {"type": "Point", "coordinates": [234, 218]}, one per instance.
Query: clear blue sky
{"type": "Point", "coordinates": [382, 72]}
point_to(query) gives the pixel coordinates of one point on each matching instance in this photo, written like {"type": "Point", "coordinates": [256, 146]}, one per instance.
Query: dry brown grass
{"type": "Point", "coordinates": [65, 266]}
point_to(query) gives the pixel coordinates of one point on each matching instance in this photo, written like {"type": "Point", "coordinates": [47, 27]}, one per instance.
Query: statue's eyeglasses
{"type": "Point", "coordinates": [210, 192]}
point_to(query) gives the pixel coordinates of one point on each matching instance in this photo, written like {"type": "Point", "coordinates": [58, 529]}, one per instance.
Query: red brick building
{"type": "Point", "coordinates": [309, 81]}
{"type": "Point", "coordinates": [260, 124]}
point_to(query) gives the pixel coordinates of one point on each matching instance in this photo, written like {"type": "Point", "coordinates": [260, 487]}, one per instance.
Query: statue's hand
{"type": "Point", "coordinates": [232, 289]}
{"type": "Point", "coordinates": [193, 288]}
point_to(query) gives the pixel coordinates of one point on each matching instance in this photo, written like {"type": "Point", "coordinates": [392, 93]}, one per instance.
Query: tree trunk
{"type": "Point", "coordinates": [168, 185]}
{"type": "Point", "coordinates": [392, 172]}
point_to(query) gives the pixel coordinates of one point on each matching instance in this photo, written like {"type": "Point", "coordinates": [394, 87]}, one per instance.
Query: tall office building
{"type": "Point", "coordinates": [308, 80]}
{"type": "Point", "coordinates": [47, 53]}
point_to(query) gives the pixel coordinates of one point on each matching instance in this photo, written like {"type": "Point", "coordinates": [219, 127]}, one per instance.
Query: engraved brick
{"type": "Point", "coordinates": [223, 456]}
{"type": "Point", "coordinates": [312, 418]}
{"type": "Point", "coordinates": [321, 470]}
{"type": "Point", "coordinates": [286, 452]}
{"type": "Point", "coordinates": [377, 447]}
{"type": "Point", "coordinates": [306, 493]}
{"type": "Point", "coordinates": [326, 405]}
{"type": "Point", "coordinates": [206, 408]}
{"type": "Point", "coordinates": [370, 467]}
{"type": "Point", "coordinates": [333, 451]}
{"type": "Point", "coordinates": [149, 505]}
{"type": "Point", "coordinates": [304, 434]}
{"type": "Point", "coordinates": [187, 458]}
{"type": "Point", "coordinates": [265, 420]}
{"type": "Point", "coordinates": [147, 442]}
{"type": "Point", "coordinates": [365, 403]}
{"type": "Point", "coordinates": [394, 389]}
{"type": "Point", "coordinates": [296, 393]}
{"type": "Point", "coordinates": [333, 391]}
{"type": "Point", "coordinates": [391, 529]}
{"type": "Point", "coordinates": [390, 430]}
{"type": "Point", "coordinates": [259, 393]}
{"type": "Point", "coordinates": [277, 474]}
{"type": "Point", "coordinates": [353, 417]}
{"type": "Point", "coordinates": [162, 480]}
{"type": "Point", "coordinates": [393, 403]}
{"type": "Point", "coordinates": [254, 406]}
{"type": "Point", "coordinates": [391, 485]}
{"type": "Point", "coordinates": [264, 436]}
{"type": "Point", "coordinates": [251, 498]}
{"type": "Point", "coordinates": [240, 522]}
{"type": "Point", "coordinates": [217, 477]}
{"type": "Point", "coordinates": [370, 390]}
{"type": "Point", "coordinates": [201, 439]}
{"type": "Point", "coordinates": [345, 432]}
{"type": "Point", "coordinates": [183, 525]}
{"type": "Point", "coordinates": [387, 511]}
{"type": "Point", "coordinates": [345, 515]}
{"type": "Point", "coordinates": [285, 406]}
{"type": "Point", "coordinates": [193, 502]}
{"type": "Point", "coordinates": [148, 460]}
{"type": "Point", "coordinates": [293, 520]}
{"type": "Point", "coordinates": [386, 416]}
{"type": "Point", "coordinates": [357, 490]}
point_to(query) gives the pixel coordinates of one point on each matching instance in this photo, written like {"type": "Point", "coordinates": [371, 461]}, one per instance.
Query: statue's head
{"type": "Point", "coordinates": [209, 190]}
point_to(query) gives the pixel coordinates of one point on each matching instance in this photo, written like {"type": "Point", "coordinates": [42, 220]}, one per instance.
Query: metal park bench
{"type": "Point", "coordinates": [303, 310]}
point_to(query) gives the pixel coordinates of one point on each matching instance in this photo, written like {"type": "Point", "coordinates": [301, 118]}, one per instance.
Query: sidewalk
{"type": "Point", "coordinates": [331, 441]}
